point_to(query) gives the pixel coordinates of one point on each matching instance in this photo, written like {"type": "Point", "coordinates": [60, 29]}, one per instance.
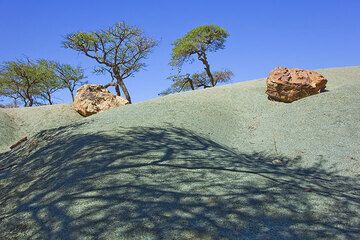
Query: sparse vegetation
{"type": "Point", "coordinates": [195, 81]}
{"type": "Point", "coordinates": [50, 82]}
{"type": "Point", "coordinates": [119, 51]}
{"type": "Point", "coordinates": [25, 80]}
{"type": "Point", "coordinates": [34, 82]}
{"type": "Point", "coordinates": [70, 77]}
{"type": "Point", "coordinates": [198, 43]}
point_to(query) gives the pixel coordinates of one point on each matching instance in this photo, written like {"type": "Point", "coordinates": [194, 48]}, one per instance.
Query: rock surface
{"type": "Point", "coordinates": [291, 84]}
{"type": "Point", "coordinates": [91, 99]}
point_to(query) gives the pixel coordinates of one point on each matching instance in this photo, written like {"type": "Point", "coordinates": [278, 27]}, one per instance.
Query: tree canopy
{"type": "Point", "coordinates": [35, 82]}
{"type": "Point", "coordinates": [200, 40]}
{"type": "Point", "coordinates": [70, 77]}
{"type": "Point", "coordinates": [119, 50]}
{"type": "Point", "coordinates": [24, 80]}
{"type": "Point", "coordinates": [50, 83]}
{"type": "Point", "coordinates": [198, 43]}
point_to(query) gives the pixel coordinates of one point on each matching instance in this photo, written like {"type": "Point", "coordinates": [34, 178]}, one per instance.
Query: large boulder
{"type": "Point", "coordinates": [291, 84]}
{"type": "Point", "coordinates": [91, 99]}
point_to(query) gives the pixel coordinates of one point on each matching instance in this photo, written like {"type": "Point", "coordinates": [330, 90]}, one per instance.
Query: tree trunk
{"type": "Point", "coordinates": [72, 94]}
{"type": "Point", "coordinates": [49, 98]}
{"type": "Point", "coordinates": [190, 81]}
{"type": "Point", "coordinates": [117, 89]}
{"type": "Point", "coordinates": [204, 60]}
{"type": "Point", "coordinates": [125, 91]}
{"type": "Point", "coordinates": [121, 84]}
{"type": "Point", "coordinates": [31, 102]}
{"type": "Point", "coordinates": [28, 97]}
{"type": "Point", "coordinates": [191, 84]}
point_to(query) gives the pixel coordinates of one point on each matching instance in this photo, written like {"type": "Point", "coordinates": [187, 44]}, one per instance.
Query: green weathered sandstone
{"type": "Point", "coordinates": [221, 163]}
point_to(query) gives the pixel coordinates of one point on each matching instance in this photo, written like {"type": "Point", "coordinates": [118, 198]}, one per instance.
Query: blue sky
{"type": "Point", "coordinates": [263, 34]}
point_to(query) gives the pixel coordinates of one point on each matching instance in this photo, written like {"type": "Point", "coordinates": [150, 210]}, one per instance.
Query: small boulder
{"type": "Point", "coordinates": [291, 84]}
{"type": "Point", "coordinates": [92, 98]}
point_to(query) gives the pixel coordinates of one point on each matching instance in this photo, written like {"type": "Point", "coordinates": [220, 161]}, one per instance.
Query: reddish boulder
{"type": "Point", "coordinates": [291, 84]}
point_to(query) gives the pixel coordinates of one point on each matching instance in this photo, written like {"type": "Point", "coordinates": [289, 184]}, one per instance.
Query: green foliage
{"type": "Point", "coordinates": [24, 80]}
{"type": "Point", "coordinates": [200, 40]}
{"type": "Point", "coordinates": [180, 83]}
{"type": "Point", "coordinates": [70, 77]}
{"type": "Point", "coordinates": [198, 43]}
{"type": "Point", "coordinates": [35, 82]}
{"type": "Point", "coordinates": [223, 76]}
{"type": "Point", "coordinates": [120, 50]}
{"type": "Point", "coordinates": [195, 81]}
{"type": "Point", "coordinates": [50, 83]}
{"type": "Point", "coordinates": [119, 46]}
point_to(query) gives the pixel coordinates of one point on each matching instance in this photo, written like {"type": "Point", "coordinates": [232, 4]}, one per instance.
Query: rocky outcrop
{"type": "Point", "coordinates": [91, 99]}
{"type": "Point", "coordinates": [291, 84]}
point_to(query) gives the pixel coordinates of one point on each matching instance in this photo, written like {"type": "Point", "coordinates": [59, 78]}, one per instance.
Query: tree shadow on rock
{"type": "Point", "coordinates": [168, 183]}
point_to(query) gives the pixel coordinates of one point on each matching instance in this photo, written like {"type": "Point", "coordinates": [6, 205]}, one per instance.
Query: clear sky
{"type": "Point", "coordinates": [263, 34]}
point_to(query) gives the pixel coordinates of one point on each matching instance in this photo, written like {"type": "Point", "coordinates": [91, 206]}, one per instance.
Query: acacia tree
{"type": "Point", "coordinates": [119, 50]}
{"type": "Point", "coordinates": [50, 82]}
{"type": "Point", "coordinates": [23, 80]}
{"type": "Point", "coordinates": [195, 81]}
{"type": "Point", "coordinates": [198, 43]}
{"type": "Point", "coordinates": [6, 91]}
{"type": "Point", "coordinates": [35, 82]}
{"type": "Point", "coordinates": [70, 77]}
{"type": "Point", "coordinates": [180, 83]}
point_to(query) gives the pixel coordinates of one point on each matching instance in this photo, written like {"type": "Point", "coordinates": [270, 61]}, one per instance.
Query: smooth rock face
{"type": "Point", "coordinates": [91, 99]}
{"type": "Point", "coordinates": [291, 84]}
